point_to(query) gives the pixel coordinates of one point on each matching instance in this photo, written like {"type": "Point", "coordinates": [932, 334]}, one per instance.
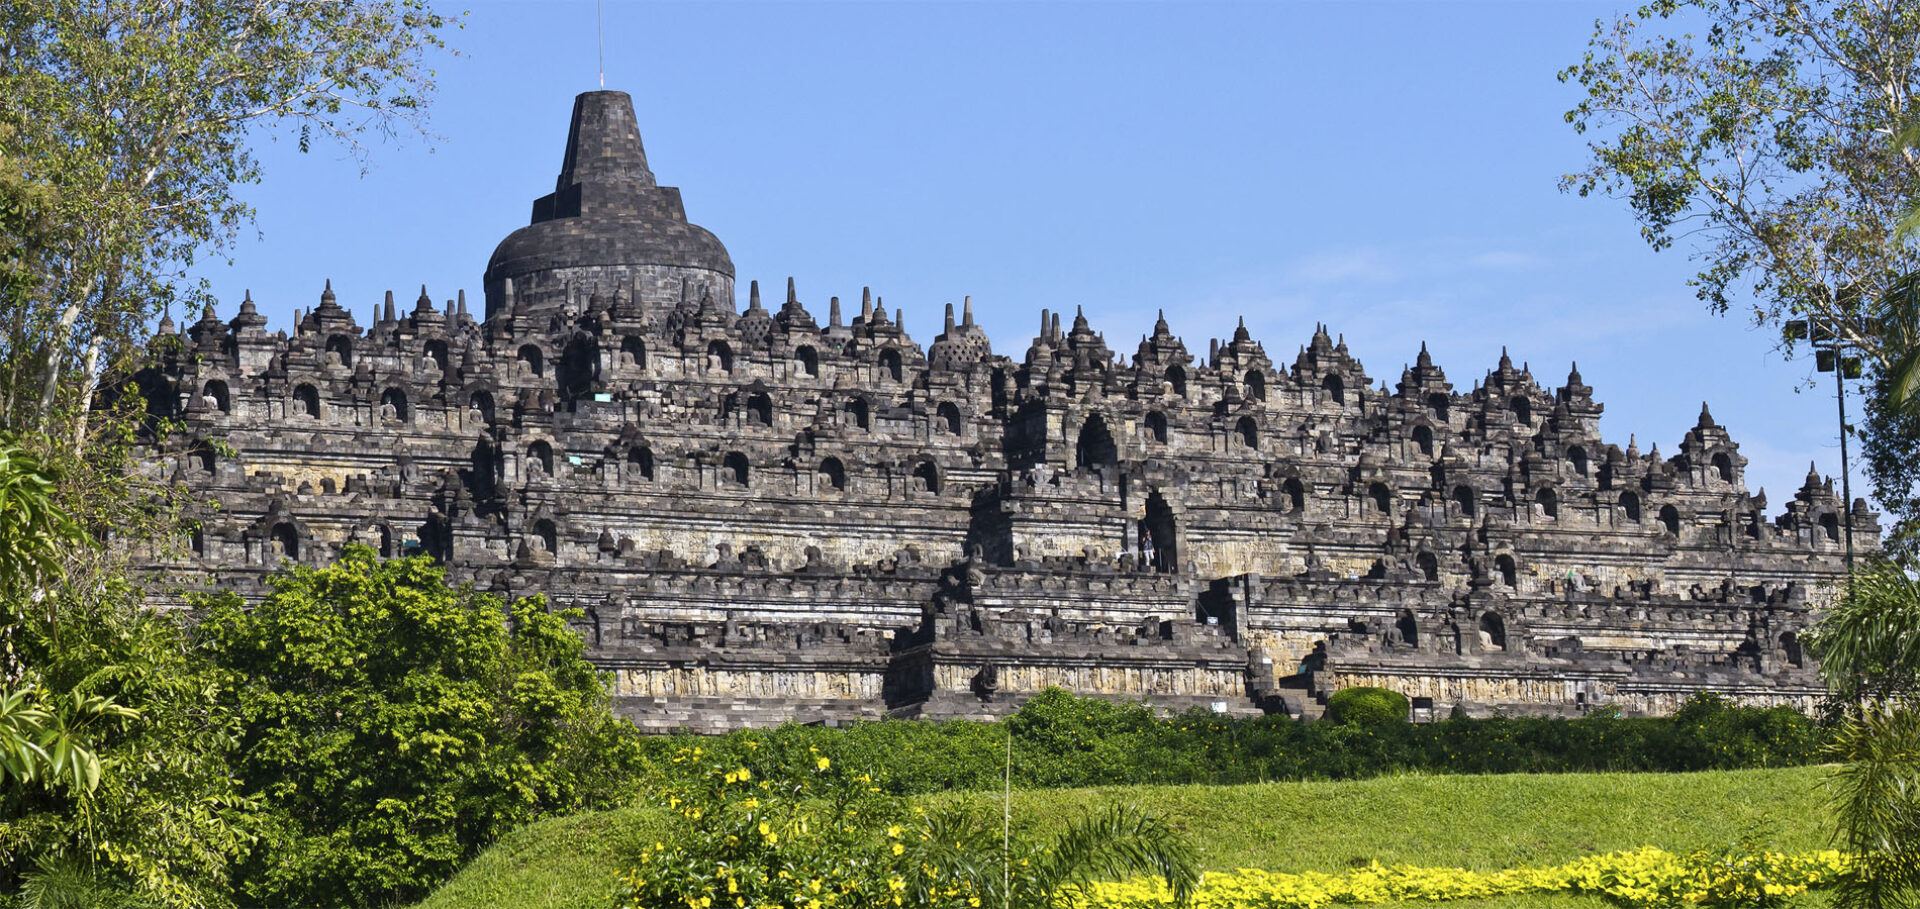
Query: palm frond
{"type": "Point", "coordinates": [1866, 643]}
{"type": "Point", "coordinates": [1115, 844]}
{"type": "Point", "coordinates": [1903, 381]}
{"type": "Point", "coordinates": [964, 847]}
{"type": "Point", "coordinates": [70, 882]}
{"type": "Point", "coordinates": [1877, 803]}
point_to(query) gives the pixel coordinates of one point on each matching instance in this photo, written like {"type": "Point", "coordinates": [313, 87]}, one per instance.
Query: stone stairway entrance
{"type": "Point", "coordinates": [1300, 699]}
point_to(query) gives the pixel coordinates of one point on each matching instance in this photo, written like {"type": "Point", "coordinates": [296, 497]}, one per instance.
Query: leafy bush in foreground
{"type": "Point", "coordinates": [393, 725]}
{"type": "Point", "coordinates": [167, 821]}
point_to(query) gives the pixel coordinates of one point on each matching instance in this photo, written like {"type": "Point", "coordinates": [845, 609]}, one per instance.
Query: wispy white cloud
{"type": "Point", "coordinates": [1503, 259]}
{"type": "Point", "coordinates": [1343, 266]}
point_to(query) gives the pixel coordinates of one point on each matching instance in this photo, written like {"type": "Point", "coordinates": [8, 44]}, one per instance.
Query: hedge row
{"type": "Point", "coordinates": [1058, 740]}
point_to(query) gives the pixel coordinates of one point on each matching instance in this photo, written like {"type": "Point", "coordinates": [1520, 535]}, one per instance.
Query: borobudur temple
{"type": "Point", "coordinates": [764, 516]}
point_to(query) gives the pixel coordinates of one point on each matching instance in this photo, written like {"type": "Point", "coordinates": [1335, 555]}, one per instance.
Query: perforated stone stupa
{"type": "Point", "coordinates": [767, 518]}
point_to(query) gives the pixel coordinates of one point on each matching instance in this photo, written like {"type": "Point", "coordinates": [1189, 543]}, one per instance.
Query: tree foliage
{"type": "Point", "coordinates": [35, 531]}
{"type": "Point", "coordinates": [1768, 132]}
{"type": "Point", "coordinates": [167, 822]}
{"type": "Point", "coordinates": [394, 725]}
{"type": "Point", "coordinates": [1890, 444]}
{"type": "Point", "coordinates": [1778, 139]}
{"type": "Point", "coordinates": [112, 766]}
{"type": "Point", "coordinates": [125, 128]}
{"type": "Point", "coordinates": [1900, 326]}
{"type": "Point", "coordinates": [1866, 644]}
{"type": "Point", "coordinates": [349, 741]}
{"type": "Point", "coordinates": [1877, 799]}
{"type": "Point", "coordinates": [1867, 652]}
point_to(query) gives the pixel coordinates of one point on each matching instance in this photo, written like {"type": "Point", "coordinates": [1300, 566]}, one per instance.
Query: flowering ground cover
{"type": "Point", "coordinates": [1738, 875]}
{"type": "Point", "coordinates": [1479, 823]}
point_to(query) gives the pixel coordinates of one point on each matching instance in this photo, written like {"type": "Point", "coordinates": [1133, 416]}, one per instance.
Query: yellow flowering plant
{"type": "Point", "coordinates": [825, 838]}
{"type": "Point", "coordinates": [806, 840]}
{"type": "Point", "coordinates": [1738, 877]}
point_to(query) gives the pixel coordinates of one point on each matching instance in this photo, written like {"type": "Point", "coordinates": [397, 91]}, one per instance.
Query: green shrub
{"type": "Point", "coordinates": [1059, 740]}
{"type": "Point", "coordinates": [168, 822]}
{"type": "Point", "coordinates": [394, 724]}
{"type": "Point", "coordinates": [1720, 736]}
{"type": "Point", "coordinates": [1367, 706]}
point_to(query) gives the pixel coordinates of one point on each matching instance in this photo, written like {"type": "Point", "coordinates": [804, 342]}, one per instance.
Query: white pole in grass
{"type": "Point", "coordinates": [1006, 827]}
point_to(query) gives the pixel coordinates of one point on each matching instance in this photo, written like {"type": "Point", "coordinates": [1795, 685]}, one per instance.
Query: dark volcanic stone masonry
{"type": "Point", "coordinates": [765, 518]}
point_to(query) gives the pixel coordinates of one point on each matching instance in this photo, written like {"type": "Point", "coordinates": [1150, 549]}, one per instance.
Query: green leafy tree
{"type": "Point", "coordinates": [166, 823]}
{"type": "Point", "coordinates": [1767, 132]}
{"type": "Point", "coordinates": [1774, 136]}
{"type": "Point", "coordinates": [112, 764]}
{"type": "Point", "coordinates": [39, 732]}
{"type": "Point", "coordinates": [1901, 327]}
{"type": "Point", "coordinates": [36, 533]}
{"type": "Point", "coordinates": [1901, 319]}
{"type": "Point", "coordinates": [395, 724]}
{"type": "Point", "coordinates": [125, 127]}
{"type": "Point", "coordinates": [1889, 434]}
{"type": "Point", "coordinates": [125, 130]}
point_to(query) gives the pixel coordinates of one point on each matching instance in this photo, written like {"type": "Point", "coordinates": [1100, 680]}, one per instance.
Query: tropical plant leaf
{"type": "Point", "coordinates": [1877, 802]}
{"type": "Point", "coordinates": [1866, 643]}
{"type": "Point", "coordinates": [1115, 844]}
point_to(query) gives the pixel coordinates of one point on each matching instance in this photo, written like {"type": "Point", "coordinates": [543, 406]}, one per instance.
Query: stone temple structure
{"type": "Point", "coordinates": [769, 515]}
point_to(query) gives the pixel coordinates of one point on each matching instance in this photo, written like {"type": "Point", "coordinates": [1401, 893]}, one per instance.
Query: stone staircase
{"type": "Point", "coordinates": [1300, 701]}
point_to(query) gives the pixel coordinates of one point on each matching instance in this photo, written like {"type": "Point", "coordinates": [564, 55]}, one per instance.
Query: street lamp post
{"type": "Point", "coordinates": [1830, 354]}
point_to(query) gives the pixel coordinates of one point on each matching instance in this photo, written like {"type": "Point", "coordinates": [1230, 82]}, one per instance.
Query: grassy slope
{"type": "Point", "coordinates": [1482, 822]}
{"type": "Point", "coordinates": [562, 863]}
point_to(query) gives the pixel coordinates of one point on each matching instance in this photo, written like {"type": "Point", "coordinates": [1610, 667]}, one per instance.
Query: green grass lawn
{"type": "Point", "coordinates": [1478, 822]}
{"type": "Point", "coordinates": [561, 863]}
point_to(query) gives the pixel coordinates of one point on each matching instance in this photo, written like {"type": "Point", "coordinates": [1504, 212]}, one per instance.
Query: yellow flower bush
{"type": "Point", "coordinates": [1652, 878]}
{"type": "Point", "coordinates": [766, 841]}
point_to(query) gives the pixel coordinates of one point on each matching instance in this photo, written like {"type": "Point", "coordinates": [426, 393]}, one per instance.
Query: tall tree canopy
{"type": "Point", "coordinates": [126, 129]}
{"type": "Point", "coordinates": [1776, 137]}
{"type": "Point", "coordinates": [124, 132]}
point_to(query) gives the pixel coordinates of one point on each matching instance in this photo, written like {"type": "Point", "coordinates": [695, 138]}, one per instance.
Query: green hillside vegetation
{"type": "Point", "coordinates": [1477, 822]}
{"type": "Point", "coordinates": [1061, 741]}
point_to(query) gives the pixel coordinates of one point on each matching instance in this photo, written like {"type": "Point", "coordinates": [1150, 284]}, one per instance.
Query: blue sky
{"type": "Point", "coordinates": [1386, 168]}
